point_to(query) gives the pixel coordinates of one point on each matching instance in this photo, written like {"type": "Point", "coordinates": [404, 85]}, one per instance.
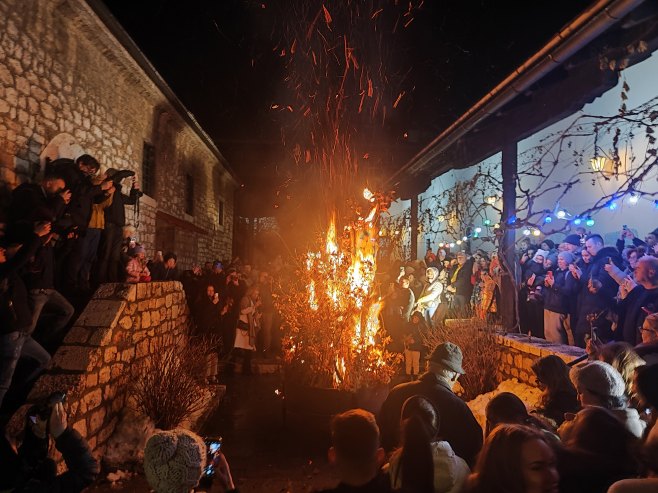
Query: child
{"type": "Point", "coordinates": [136, 269]}
{"type": "Point", "coordinates": [413, 345]}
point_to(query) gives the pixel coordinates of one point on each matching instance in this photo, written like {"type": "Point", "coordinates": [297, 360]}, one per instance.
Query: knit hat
{"type": "Point", "coordinates": [599, 378]}
{"type": "Point", "coordinates": [552, 257]}
{"type": "Point", "coordinates": [174, 461]}
{"type": "Point", "coordinates": [137, 249]}
{"type": "Point", "coordinates": [572, 239]}
{"type": "Point", "coordinates": [448, 355]}
{"type": "Point", "coordinates": [539, 252]}
{"type": "Point", "coordinates": [568, 257]}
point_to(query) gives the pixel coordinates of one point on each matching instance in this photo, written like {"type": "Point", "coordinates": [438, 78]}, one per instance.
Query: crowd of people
{"type": "Point", "coordinates": [594, 432]}
{"type": "Point", "coordinates": [581, 289]}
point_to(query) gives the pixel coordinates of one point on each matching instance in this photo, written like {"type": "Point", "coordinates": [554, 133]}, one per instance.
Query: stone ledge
{"type": "Point", "coordinates": [540, 347]}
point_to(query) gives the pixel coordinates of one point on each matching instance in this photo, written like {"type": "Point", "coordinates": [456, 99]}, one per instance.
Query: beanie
{"type": "Point", "coordinates": [553, 258]}
{"type": "Point", "coordinates": [540, 252]}
{"type": "Point", "coordinates": [572, 239]}
{"type": "Point", "coordinates": [174, 461]}
{"type": "Point", "coordinates": [599, 378]}
{"type": "Point", "coordinates": [567, 257]}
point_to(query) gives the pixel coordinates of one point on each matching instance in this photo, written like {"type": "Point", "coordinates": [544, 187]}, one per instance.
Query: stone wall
{"type": "Point", "coordinates": [120, 326]}
{"type": "Point", "coordinates": [64, 70]}
{"type": "Point", "coordinates": [518, 353]}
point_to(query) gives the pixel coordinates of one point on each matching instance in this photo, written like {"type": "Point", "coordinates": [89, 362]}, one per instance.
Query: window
{"type": "Point", "coordinates": [220, 212]}
{"type": "Point", "coordinates": [148, 169]}
{"type": "Point", "coordinates": [189, 194]}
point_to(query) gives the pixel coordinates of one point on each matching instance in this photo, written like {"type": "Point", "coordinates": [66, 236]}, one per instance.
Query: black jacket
{"type": "Point", "coordinates": [83, 192]}
{"type": "Point", "coordinates": [115, 213]}
{"type": "Point", "coordinates": [206, 314]}
{"type": "Point", "coordinates": [558, 297]}
{"type": "Point", "coordinates": [29, 204]}
{"type": "Point", "coordinates": [462, 283]}
{"type": "Point", "coordinates": [81, 465]}
{"type": "Point", "coordinates": [15, 312]}
{"type": "Point", "coordinates": [458, 425]}
{"type": "Point", "coordinates": [632, 315]}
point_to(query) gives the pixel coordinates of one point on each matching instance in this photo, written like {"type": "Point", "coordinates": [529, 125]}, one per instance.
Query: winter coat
{"type": "Point", "coordinates": [557, 405]}
{"type": "Point", "coordinates": [115, 213]}
{"type": "Point", "coordinates": [450, 470]}
{"type": "Point", "coordinates": [462, 279]}
{"type": "Point", "coordinates": [557, 297]}
{"type": "Point", "coordinates": [15, 312]}
{"type": "Point", "coordinates": [632, 315]}
{"type": "Point", "coordinates": [29, 204]}
{"type": "Point", "coordinates": [458, 425]}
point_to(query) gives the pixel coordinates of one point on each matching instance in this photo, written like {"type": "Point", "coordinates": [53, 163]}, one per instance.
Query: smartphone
{"type": "Point", "coordinates": [213, 447]}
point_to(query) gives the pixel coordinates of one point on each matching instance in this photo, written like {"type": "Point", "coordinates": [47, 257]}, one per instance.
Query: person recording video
{"type": "Point", "coordinates": [30, 468]}
{"type": "Point", "coordinates": [110, 268]}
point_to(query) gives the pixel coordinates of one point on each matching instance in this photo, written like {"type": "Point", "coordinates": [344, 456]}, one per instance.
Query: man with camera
{"type": "Point", "coordinates": [30, 469]}
{"type": "Point", "coordinates": [78, 176]}
{"type": "Point", "coordinates": [109, 252]}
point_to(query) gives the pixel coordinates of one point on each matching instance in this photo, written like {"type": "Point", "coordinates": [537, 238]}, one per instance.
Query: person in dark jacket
{"type": "Point", "coordinates": [32, 202]}
{"type": "Point", "coordinates": [559, 288]}
{"type": "Point", "coordinates": [532, 296]}
{"type": "Point", "coordinates": [460, 282]}
{"type": "Point", "coordinates": [15, 314]}
{"type": "Point", "coordinates": [641, 299]}
{"type": "Point", "coordinates": [559, 396]}
{"type": "Point", "coordinates": [30, 470]}
{"type": "Point", "coordinates": [458, 425]}
{"type": "Point", "coordinates": [207, 312]}
{"type": "Point", "coordinates": [84, 193]}
{"type": "Point", "coordinates": [356, 453]}
{"type": "Point", "coordinates": [596, 291]}
{"type": "Point", "coordinates": [167, 271]}
{"type": "Point", "coordinates": [110, 268]}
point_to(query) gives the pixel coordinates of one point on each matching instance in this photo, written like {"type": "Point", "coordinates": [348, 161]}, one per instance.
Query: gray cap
{"type": "Point", "coordinates": [449, 356]}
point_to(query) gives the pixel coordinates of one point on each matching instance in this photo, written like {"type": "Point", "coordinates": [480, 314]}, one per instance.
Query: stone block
{"type": "Point", "coordinates": [92, 400]}
{"type": "Point", "coordinates": [109, 392]}
{"type": "Point", "coordinates": [73, 384]}
{"type": "Point", "coordinates": [146, 320]}
{"type": "Point", "coordinates": [81, 427]}
{"type": "Point", "coordinates": [101, 337]}
{"type": "Point", "coordinates": [155, 318]}
{"type": "Point", "coordinates": [92, 380]}
{"type": "Point", "coordinates": [101, 313]}
{"type": "Point", "coordinates": [117, 370]}
{"type": "Point", "coordinates": [126, 322]}
{"type": "Point", "coordinates": [130, 309]}
{"type": "Point", "coordinates": [142, 306]}
{"type": "Point", "coordinates": [76, 358]}
{"type": "Point", "coordinates": [168, 300]}
{"type": "Point", "coordinates": [77, 335]}
{"type": "Point", "coordinates": [143, 290]}
{"type": "Point", "coordinates": [96, 420]}
{"type": "Point", "coordinates": [110, 354]}
{"type": "Point", "coordinates": [105, 375]}
{"type": "Point", "coordinates": [127, 355]}
{"type": "Point", "coordinates": [159, 302]}
{"type": "Point", "coordinates": [142, 348]}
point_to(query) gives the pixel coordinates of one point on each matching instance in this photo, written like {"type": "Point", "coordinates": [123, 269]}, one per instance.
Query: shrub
{"type": "Point", "coordinates": [478, 344]}
{"type": "Point", "coordinates": [167, 385]}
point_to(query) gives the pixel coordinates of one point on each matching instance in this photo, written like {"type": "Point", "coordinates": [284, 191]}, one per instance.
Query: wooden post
{"type": "Point", "coordinates": [414, 227]}
{"type": "Point", "coordinates": [506, 249]}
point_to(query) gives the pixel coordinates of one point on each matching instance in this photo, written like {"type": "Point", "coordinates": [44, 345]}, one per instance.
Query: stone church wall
{"type": "Point", "coordinates": [63, 71]}
{"type": "Point", "coordinates": [122, 325]}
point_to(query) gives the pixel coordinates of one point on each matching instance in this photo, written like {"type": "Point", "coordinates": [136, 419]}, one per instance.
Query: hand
{"type": "Point", "coordinates": [575, 271]}
{"type": "Point", "coordinates": [609, 268]}
{"type": "Point", "coordinates": [66, 196]}
{"type": "Point", "coordinates": [549, 281]}
{"type": "Point", "coordinates": [626, 286]}
{"type": "Point", "coordinates": [594, 285]}
{"type": "Point", "coordinates": [58, 422]}
{"type": "Point", "coordinates": [593, 348]}
{"type": "Point", "coordinates": [106, 185]}
{"type": "Point", "coordinates": [215, 299]}
{"type": "Point", "coordinates": [531, 280]}
{"type": "Point", "coordinates": [42, 228]}
{"type": "Point", "coordinates": [223, 481]}
{"type": "Point", "coordinates": [135, 183]}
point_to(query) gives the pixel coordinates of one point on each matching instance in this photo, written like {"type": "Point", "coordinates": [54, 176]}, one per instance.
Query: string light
{"type": "Point", "coordinates": [465, 238]}
{"type": "Point", "coordinates": [633, 199]}
{"type": "Point", "coordinates": [526, 232]}
{"type": "Point", "coordinates": [612, 205]}
{"type": "Point", "coordinates": [459, 242]}
{"type": "Point", "coordinates": [561, 214]}
{"type": "Point", "coordinates": [577, 221]}
{"type": "Point", "coordinates": [478, 230]}
{"type": "Point", "coordinates": [452, 245]}
{"type": "Point", "coordinates": [536, 232]}
{"type": "Point", "coordinates": [589, 222]}
{"type": "Point", "coordinates": [548, 219]}
{"type": "Point", "coordinates": [487, 222]}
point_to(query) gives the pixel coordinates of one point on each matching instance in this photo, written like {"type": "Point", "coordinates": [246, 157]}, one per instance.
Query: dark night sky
{"type": "Point", "coordinates": [217, 55]}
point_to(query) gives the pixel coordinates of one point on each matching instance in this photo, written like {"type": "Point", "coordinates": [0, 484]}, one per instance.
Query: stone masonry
{"type": "Point", "coordinates": [121, 325]}
{"type": "Point", "coordinates": [518, 353]}
{"type": "Point", "coordinates": [68, 68]}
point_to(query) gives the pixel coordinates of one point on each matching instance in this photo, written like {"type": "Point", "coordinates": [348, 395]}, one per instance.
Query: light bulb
{"type": "Point", "coordinates": [633, 199]}
{"type": "Point", "coordinates": [577, 221]}
{"type": "Point", "coordinates": [536, 232]}
{"type": "Point", "coordinates": [561, 214]}
{"type": "Point", "coordinates": [526, 232]}
{"type": "Point", "coordinates": [478, 230]}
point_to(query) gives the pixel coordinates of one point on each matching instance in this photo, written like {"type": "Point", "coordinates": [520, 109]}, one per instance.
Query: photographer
{"type": "Point", "coordinates": [110, 268]}
{"type": "Point", "coordinates": [31, 470]}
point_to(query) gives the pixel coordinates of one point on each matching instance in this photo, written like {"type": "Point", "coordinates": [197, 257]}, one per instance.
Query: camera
{"type": "Point", "coordinates": [120, 175]}
{"type": "Point", "coordinates": [44, 408]}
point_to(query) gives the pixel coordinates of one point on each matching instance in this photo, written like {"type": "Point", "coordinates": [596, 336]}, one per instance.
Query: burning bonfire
{"type": "Point", "coordinates": [331, 311]}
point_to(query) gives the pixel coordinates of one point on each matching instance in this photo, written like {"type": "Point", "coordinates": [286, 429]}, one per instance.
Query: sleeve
{"type": "Point", "coordinates": [82, 467]}
{"type": "Point", "coordinates": [132, 198]}
{"type": "Point", "coordinates": [245, 307]}
{"type": "Point", "coordinates": [21, 258]}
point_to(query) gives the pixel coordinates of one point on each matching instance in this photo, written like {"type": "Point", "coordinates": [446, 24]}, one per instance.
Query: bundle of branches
{"type": "Point", "coordinates": [167, 384]}
{"type": "Point", "coordinates": [478, 344]}
{"type": "Point", "coordinates": [333, 336]}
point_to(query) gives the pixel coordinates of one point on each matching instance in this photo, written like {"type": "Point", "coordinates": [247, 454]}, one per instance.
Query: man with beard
{"type": "Point", "coordinates": [641, 299]}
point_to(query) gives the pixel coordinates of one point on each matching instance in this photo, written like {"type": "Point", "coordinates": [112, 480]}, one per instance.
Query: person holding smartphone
{"type": "Point", "coordinates": [559, 288]}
